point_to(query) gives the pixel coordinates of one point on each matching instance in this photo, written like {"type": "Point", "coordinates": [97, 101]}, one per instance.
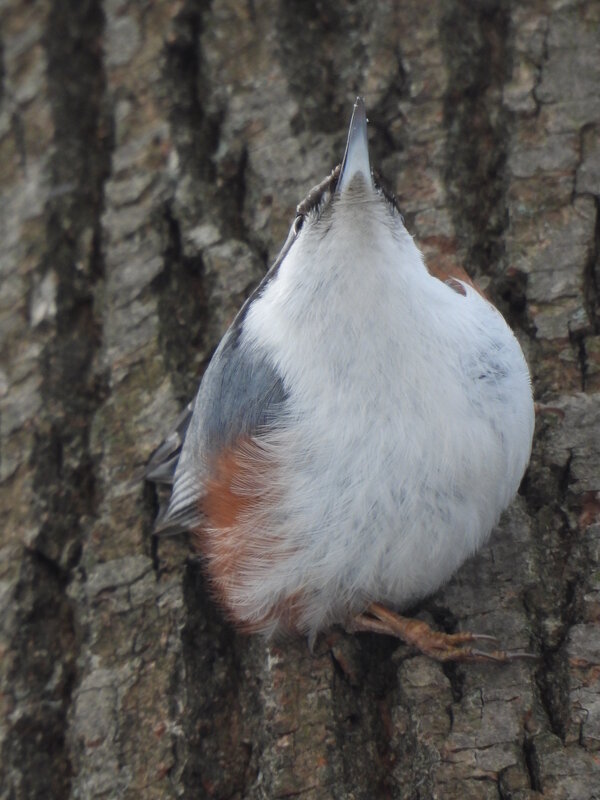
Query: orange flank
{"type": "Point", "coordinates": [235, 541]}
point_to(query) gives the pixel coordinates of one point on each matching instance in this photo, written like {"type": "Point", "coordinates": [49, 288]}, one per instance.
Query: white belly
{"type": "Point", "coordinates": [407, 434]}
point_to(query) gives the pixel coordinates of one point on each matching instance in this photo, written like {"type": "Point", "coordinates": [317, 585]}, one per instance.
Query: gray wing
{"type": "Point", "coordinates": [240, 394]}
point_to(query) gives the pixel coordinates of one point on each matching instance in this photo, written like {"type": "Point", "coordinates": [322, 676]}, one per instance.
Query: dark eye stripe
{"type": "Point", "coordinates": [387, 193]}
{"type": "Point", "coordinates": [314, 197]}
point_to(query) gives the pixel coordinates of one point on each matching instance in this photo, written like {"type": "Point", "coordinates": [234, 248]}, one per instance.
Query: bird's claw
{"type": "Point", "coordinates": [497, 656]}
{"type": "Point", "coordinates": [436, 644]}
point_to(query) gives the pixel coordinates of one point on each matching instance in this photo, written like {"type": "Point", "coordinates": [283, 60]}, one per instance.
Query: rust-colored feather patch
{"type": "Point", "coordinates": [442, 263]}
{"type": "Point", "coordinates": [453, 278]}
{"type": "Point", "coordinates": [236, 542]}
{"type": "Point", "coordinates": [238, 483]}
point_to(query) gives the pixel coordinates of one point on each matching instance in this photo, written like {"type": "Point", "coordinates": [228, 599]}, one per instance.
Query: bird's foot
{"type": "Point", "coordinates": [437, 645]}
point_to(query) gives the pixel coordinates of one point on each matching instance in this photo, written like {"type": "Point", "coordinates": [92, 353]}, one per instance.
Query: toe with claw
{"type": "Point", "coordinates": [437, 645]}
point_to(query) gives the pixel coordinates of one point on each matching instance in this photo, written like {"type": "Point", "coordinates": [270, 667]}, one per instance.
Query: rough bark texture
{"type": "Point", "coordinates": [151, 156]}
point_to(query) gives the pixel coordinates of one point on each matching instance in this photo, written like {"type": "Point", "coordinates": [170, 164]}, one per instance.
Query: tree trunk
{"type": "Point", "coordinates": [151, 157]}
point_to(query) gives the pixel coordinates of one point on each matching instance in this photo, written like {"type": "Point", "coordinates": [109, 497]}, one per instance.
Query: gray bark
{"type": "Point", "coordinates": [151, 156]}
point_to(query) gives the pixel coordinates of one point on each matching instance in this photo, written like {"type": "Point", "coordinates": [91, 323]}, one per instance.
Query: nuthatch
{"type": "Point", "coordinates": [358, 431]}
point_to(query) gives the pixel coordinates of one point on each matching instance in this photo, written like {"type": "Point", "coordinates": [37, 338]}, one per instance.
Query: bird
{"type": "Point", "coordinates": [357, 433]}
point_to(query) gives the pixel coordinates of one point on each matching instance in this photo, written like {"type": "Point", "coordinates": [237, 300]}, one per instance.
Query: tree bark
{"type": "Point", "coordinates": [151, 157]}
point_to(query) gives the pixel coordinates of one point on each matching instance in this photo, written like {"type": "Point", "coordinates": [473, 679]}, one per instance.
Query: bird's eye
{"type": "Point", "coordinates": [298, 223]}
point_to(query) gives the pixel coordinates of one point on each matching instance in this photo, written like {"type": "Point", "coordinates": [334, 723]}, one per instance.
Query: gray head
{"type": "Point", "coordinates": [351, 200]}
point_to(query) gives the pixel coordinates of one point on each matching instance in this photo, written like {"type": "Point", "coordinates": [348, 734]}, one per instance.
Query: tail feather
{"type": "Point", "coordinates": [174, 516]}
{"type": "Point", "coordinates": [163, 462]}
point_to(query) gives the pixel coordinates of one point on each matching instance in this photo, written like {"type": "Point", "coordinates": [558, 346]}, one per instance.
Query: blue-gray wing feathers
{"type": "Point", "coordinates": [240, 394]}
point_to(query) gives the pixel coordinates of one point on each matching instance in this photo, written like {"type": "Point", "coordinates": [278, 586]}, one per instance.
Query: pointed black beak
{"type": "Point", "coordinates": [356, 157]}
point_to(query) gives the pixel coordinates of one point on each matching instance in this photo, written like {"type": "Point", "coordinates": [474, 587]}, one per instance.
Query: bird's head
{"type": "Point", "coordinates": [349, 222]}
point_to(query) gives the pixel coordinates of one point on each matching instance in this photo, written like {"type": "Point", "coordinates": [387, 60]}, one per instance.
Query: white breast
{"type": "Point", "coordinates": [409, 421]}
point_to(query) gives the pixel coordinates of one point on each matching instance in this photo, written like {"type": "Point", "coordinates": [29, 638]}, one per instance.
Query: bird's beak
{"type": "Point", "coordinates": [356, 157]}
